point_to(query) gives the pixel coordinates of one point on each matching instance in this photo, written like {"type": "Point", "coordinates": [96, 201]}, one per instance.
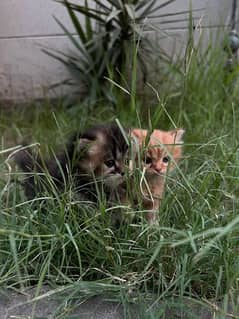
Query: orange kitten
{"type": "Point", "coordinates": [156, 155]}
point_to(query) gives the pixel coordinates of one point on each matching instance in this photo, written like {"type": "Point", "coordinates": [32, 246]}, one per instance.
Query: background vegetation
{"type": "Point", "coordinates": [110, 37]}
{"type": "Point", "coordinates": [191, 255]}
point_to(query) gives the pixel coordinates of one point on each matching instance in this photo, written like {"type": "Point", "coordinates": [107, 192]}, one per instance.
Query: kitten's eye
{"type": "Point", "coordinates": [166, 159]}
{"type": "Point", "coordinates": [110, 163]}
{"type": "Point", "coordinates": [148, 160]}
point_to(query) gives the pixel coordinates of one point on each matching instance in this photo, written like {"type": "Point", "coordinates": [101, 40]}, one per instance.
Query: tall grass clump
{"type": "Point", "coordinates": [189, 257]}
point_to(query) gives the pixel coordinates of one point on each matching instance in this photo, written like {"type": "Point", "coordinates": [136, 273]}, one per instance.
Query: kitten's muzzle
{"type": "Point", "coordinates": [155, 170]}
{"type": "Point", "coordinates": [158, 170]}
{"type": "Point", "coordinates": [120, 172]}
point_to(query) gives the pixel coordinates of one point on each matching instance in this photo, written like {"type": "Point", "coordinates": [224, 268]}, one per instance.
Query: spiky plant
{"type": "Point", "coordinates": [105, 41]}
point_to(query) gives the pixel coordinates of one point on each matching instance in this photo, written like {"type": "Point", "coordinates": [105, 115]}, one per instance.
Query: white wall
{"type": "Point", "coordinates": [28, 25]}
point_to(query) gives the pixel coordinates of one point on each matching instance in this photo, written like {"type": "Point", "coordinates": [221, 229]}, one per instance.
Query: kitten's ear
{"type": "Point", "coordinates": [83, 144]}
{"type": "Point", "coordinates": [178, 133]}
{"type": "Point", "coordinates": [139, 134]}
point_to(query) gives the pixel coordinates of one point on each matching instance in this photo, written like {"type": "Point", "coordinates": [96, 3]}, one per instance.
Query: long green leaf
{"type": "Point", "coordinates": [163, 5]}
{"type": "Point", "coordinates": [148, 9]}
{"type": "Point", "coordinates": [113, 15]}
{"type": "Point", "coordinates": [130, 10]}
{"type": "Point", "coordinates": [55, 56]}
{"type": "Point", "coordinates": [68, 33]}
{"type": "Point", "coordinates": [92, 13]}
{"type": "Point", "coordinates": [70, 62]}
{"type": "Point", "coordinates": [88, 23]}
{"type": "Point", "coordinates": [102, 5]}
{"type": "Point", "coordinates": [81, 48]}
{"type": "Point", "coordinates": [115, 3]}
{"type": "Point", "coordinates": [141, 4]}
{"type": "Point", "coordinates": [84, 54]}
{"type": "Point", "coordinates": [76, 22]}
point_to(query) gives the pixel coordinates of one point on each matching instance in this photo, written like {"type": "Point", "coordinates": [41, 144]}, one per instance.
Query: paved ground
{"type": "Point", "coordinates": [19, 306]}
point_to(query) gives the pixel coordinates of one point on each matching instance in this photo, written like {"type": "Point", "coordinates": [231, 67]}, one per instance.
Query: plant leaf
{"type": "Point", "coordinates": [147, 10]}
{"type": "Point", "coordinates": [141, 4]}
{"type": "Point", "coordinates": [163, 5]}
{"type": "Point", "coordinates": [116, 3]}
{"type": "Point", "coordinates": [88, 24]}
{"type": "Point", "coordinates": [92, 13]}
{"type": "Point", "coordinates": [55, 56]}
{"type": "Point", "coordinates": [69, 34]}
{"type": "Point", "coordinates": [130, 10]}
{"type": "Point", "coordinates": [102, 5]}
{"type": "Point", "coordinates": [75, 21]}
{"type": "Point", "coordinates": [114, 13]}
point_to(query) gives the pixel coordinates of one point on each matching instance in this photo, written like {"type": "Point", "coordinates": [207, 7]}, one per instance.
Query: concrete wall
{"type": "Point", "coordinates": [27, 26]}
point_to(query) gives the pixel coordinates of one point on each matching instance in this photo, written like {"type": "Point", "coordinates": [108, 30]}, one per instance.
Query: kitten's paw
{"type": "Point", "coordinates": [151, 217]}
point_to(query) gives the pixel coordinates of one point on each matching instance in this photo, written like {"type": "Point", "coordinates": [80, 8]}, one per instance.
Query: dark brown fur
{"type": "Point", "coordinates": [95, 155]}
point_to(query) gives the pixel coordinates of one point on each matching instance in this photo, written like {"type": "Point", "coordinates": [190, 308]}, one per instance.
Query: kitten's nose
{"type": "Point", "coordinates": [157, 169]}
{"type": "Point", "coordinates": [119, 171]}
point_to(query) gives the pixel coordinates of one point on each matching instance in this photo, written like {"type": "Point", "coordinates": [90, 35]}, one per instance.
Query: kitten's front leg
{"type": "Point", "coordinates": [152, 204]}
{"type": "Point", "coordinates": [152, 208]}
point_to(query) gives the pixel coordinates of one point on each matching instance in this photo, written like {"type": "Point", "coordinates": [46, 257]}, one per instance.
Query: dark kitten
{"type": "Point", "coordinates": [97, 155]}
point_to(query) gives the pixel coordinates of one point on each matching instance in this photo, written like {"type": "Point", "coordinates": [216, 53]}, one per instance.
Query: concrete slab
{"type": "Point", "coordinates": [49, 306]}
{"type": "Point", "coordinates": [54, 304]}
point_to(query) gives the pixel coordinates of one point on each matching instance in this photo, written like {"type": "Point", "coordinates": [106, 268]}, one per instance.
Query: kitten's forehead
{"type": "Point", "coordinates": [158, 137]}
{"type": "Point", "coordinates": [101, 138]}
{"type": "Point", "coordinates": [166, 137]}
{"type": "Point", "coordinates": [109, 138]}
{"type": "Point", "coordinates": [108, 143]}
{"type": "Point", "coordinates": [163, 142]}
{"type": "Point", "coordinates": [154, 152]}
{"type": "Point", "coordinates": [119, 154]}
{"type": "Point", "coordinates": [116, 141]}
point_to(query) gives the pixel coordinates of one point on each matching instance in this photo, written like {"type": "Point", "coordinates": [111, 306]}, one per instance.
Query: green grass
{"type": "Point", "coordinates": [191, 255]}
